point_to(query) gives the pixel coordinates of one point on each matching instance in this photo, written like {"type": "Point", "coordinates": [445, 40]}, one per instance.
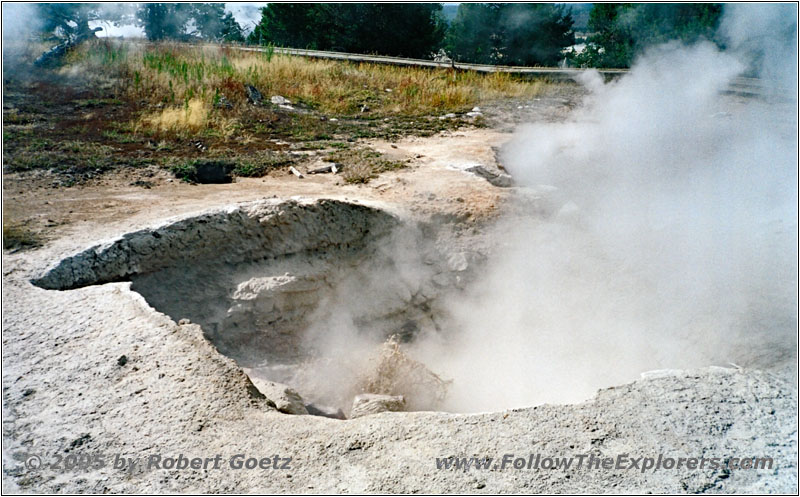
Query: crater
{"type": "Point", "coordinates": [316, 300]}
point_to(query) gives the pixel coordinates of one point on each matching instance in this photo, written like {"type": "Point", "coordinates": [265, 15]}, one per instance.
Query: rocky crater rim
{"type": "Point", "coordinates": [198, 235]}
{"type": "Point", "coordinates": [297, 292]}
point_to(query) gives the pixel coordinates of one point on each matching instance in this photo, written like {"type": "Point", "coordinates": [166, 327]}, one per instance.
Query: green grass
{"type": "Point", "coordinates": [68, 156]}
{"type": "Point", "coordinates": [185, 170]}
{"type": "Point", "coordinates": [258, 166]}
{"type": "Point", "coordinates": [119, 137]}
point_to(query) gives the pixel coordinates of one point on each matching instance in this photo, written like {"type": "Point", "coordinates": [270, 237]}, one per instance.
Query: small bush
{"type": "Point", "coordinates": [17, 236]}
{"type": "Point", "coordinates": [362, 164]}
{"type": "Point", "coordinates": [260, 166]}
{"type": "Point", "coordinates": [184, 170]}
{"type": "Point", "coordinates": [358, 173]}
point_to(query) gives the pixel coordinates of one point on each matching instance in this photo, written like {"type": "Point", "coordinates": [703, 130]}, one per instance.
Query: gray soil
{"type": "Point", "coordinates": [135, 346]}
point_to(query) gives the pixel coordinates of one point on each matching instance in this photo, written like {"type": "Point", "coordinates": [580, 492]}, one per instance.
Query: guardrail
{"type": "Point", "coordinates": [403, 61]}
{"type": "Point", "coordinates": [741, 85]}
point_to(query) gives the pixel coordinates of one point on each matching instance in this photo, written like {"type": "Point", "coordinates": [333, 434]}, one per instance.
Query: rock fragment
{"type": "Point", "coordinates": [371, 403]}
{"type": "Point", "coordinates": [253, 95]}
{"type": "Point", "coordinates": [279, 100]}
{"type": "Point", "coordinates": [496, 178]}
{"type": "Point", "coordinates": [286, 399]}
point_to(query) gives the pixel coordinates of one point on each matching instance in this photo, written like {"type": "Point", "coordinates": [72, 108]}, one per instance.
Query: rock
{"type": "Point", "coordinates": [213, 171]}
{"type": "Point", "coordinates": [123, 360]}
{"type": "Point", "coordinates": [286, 399]}
{"type": "Point", "coordinates": [457, 262]}
{"type": "Point", "coordinates": [496, 178]}
{"type": "Point", "coordinates": [279, 100]}
{"type": "Point", "coordinates": [441, 56]}
{"type": "Point", "coordinates": [476, 109]}
{"type": "Point", "coordinates": [325, 411]}
{"type": "Point", "coordinates": [364, 108]}
{"type": "Point", "coordinates": [473, 114]}
{"type": "Point", "coordinates": [253, 95]}
{"type": "Point", "coordinates": [223, 103]}
{"type": "Point", "coordinates": [324, 167]}
{"type": "Point", "coordinates": [370, 403]}
{"type": "Point", "coordinates": [447, 116]}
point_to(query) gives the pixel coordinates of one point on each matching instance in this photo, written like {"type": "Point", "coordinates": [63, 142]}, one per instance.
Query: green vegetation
{"type": "Point", "coordinates": [170, 21]}
{"type": "Point", "coordinates": [185, 92]}
{"type": "Point", "coordinates": [65, 156]}
{"type": "Point", "coordinates": [624, 30]}
{"type": "Point", "coordinates": [160, 21]}
{"type": "Point", "coordinates": [531, 34]}
{"type": "Point", "coordinates": [261, 164]}
{"type": "Point", "coordinates": [400, 29]}
{"type": "Point", "coordinates": [359, 165]}
{"type": "Point", "coordinates": [169, 105]}
{"type": "Point", "coordinates": [526, 34]}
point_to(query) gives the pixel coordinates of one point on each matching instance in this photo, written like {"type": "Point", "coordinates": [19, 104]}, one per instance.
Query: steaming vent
{"type": "Point", "coordinates": [318, 301]}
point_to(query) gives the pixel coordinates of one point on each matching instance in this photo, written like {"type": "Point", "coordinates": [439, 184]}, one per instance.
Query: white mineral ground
{"type": "Point", "coordinates": [64, 387]}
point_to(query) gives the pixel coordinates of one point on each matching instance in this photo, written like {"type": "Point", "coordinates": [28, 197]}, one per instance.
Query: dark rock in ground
{"type": "Point", "coordinates": [253, 95]}
{"type": "Point", "coordinates": [212, 171]}
{"type": "Point", "coordinates": [326, 411]}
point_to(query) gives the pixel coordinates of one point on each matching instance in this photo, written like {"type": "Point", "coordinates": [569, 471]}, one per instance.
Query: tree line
{"type": "Point", "coordinates": [529, 34]}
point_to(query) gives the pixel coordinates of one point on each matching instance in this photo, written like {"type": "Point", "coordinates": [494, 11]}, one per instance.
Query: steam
{"type": "Point", "coordinates": [670, 239]}
{"type": "Point", "coordinates": [673, 239]}
{"type": "Point", "coordinates": [247, 14]}
{"type": "Point", "coordinates": [19, 21]}
{"type": "Point", "coordinates": [767, 37]}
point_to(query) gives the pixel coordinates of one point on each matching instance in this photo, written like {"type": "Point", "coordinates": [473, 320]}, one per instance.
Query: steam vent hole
{"type": "Point", "coordinates": [318, 301]}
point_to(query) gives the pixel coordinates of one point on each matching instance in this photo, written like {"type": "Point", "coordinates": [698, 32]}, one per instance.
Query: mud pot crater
{"type": "Point", "coordinates": [315, 300]}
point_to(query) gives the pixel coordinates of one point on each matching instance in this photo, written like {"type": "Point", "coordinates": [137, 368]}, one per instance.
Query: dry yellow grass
{"type": "Point", "coordinates": [174, 74]}
{"type": "Point", "coordinates": [193, 116]}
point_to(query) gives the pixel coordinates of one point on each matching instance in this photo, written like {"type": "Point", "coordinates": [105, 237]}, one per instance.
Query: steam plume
{"type": "Point", "coordinates": [673, 239]}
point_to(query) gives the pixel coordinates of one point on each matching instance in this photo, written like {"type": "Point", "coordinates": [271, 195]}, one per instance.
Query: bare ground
{"type": "Point", "coordinates": [65, 389]}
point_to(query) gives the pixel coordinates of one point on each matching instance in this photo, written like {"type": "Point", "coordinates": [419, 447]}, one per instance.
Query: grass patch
{"type": "Point", "coordinates": [186, 171]}
{"type": "Point", "coordinates": [360, 165]}
{"type": "Point", "coordinates": [13, 116]}
{"type": "Point", "coordinates": [196, 89]}
{"type": "Point", "coordinates": [119, 137]}
{"type": "Point", "coordinates": [192, 118]}
{"type": "Point", "coordinates": [17, 236]}
{"type": "Point", "coordinates": [96, 102]}
{"type": "Point", "coordinates": [81, 159]}
{"type": "Point", "coordinates": [260, 165]}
